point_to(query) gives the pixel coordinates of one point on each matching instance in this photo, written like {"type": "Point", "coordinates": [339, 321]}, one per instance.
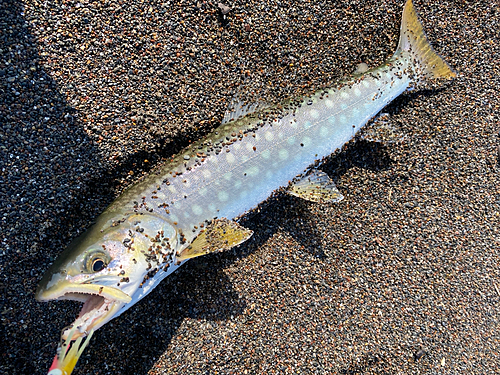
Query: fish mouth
{"type": "Point", "coordinates": [100, 304]}
{"type": "Point", "coordinates": [95, 312]}
{"type": "Point", "coordinates": [73, 291]}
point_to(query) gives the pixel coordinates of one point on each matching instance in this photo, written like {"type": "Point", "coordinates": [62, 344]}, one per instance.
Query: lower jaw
{"type": "Point", "coordinates": [93, 312]}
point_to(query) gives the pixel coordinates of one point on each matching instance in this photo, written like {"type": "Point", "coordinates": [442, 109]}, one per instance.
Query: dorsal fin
{"type": "Point", "coordinates": [382, 130]}
{"type": "Point", "coordinates": [239, 108]}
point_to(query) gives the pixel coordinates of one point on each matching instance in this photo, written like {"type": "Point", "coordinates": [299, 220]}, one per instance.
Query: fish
{"type": "Point", "coordinates": [191, 205]}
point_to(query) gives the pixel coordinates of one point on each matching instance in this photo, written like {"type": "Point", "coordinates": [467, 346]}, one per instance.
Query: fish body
{"type": "Point", "coordinates": [189, 206]}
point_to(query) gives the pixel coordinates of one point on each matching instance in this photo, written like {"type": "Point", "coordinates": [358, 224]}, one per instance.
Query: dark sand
{"type": "Point", "coordinates": [401, 277]}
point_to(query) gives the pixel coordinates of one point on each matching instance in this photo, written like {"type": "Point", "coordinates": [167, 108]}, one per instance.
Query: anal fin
{"type": "Point", "coordinates": [221, 234]}
{"type": "Point", "coordinates": [382, 130]}
{"type": "Point", "coordinates": [316, 187]}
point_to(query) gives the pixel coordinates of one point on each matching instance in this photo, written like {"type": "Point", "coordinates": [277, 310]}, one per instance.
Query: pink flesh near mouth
{"type": "Point", "coordinates": [94, 307]}
{"type": "Point", "coordinates": [92, 303]}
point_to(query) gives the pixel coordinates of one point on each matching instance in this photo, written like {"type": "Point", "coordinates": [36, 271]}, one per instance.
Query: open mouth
{"type": "Point", "coordinates": [93, 303]}
{"type": "Point", "coordinates": [90, 301]}
{"type": "Point", "coordinates": [92, 315]}
{"type": "Point", "coordinates": [100, 304]}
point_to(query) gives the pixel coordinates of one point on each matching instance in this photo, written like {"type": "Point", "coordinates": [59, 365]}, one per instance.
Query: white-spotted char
{"type": "Point", "coordinates": [189, 206]}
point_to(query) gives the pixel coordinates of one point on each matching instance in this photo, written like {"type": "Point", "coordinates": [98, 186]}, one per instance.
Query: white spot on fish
{"type": "Point", "coordinates": [252, 171]}
{"type": "Point", "coordinates": [343, 119]}
{"type": "Point", "coordinates": [291, 140]}
{"type": "Point", "coordinates": [197, 210]}
{"type": "Point", "coordinates": [228, 176]}
{"type": "Point", "coordinates": [172, 189]}
{"type": "Point", "coordinates": [344, 95]}
{"type": "Point", "coordinates": [328, 103]}
{"type": "Point", "coordinates": [212, 208]}
{"type": "Point", "coordinates": [306, 141]}
{"type": "Point", "coordinates": [237, 184]}
{"type": "Point", "coordinates": [323, 132]}
{"type": "Point", "coordinates": [357, 91]}
{"type": "Point", "coordinates": [366, 83]}
{"type": "Point", "coordinates": [223, 196]}
{"type": "Point", "coordinates": [237, 146]}
{"type": "Point", "coordinates": [331, 120]}
{"type": "Point", "coordinates": [250, 146]}
{"type": "Point", "coordinates": [269, 136]}
{"type": "Point", "coordinates": [314, 113]}
{"type": "Point", "coordinates": [214, 160]}
{"type": "Point", "coordinates": [269, 174]}
{"type": "Point", "coordinates": [202, 191]}
{"type": "Point", "coordinates": [207, 173]}
{"type": "Point", "coordinates": [266, 154]}
{"type": "Point", "coordinates": [230, 158]}
{"type": "Point", "coordinates": [343, 106]}
{"type": "Point", "coordinates": [283, 154]}
{"type": "Point", "coordinates": [307, 124]}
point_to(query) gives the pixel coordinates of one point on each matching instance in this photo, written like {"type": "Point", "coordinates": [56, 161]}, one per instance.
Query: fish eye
{"type": "Point", "coordinates": [98, 265]}
{"type": "Point", "coordinates": [96, 261]}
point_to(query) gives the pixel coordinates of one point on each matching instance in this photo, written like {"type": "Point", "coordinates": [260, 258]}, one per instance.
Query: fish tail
{"type": "Point", "coordinates": [413, 40]}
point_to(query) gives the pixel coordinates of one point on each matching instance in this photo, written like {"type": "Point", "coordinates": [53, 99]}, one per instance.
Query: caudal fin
{"type": "Point", "coordinates": [413, 40]}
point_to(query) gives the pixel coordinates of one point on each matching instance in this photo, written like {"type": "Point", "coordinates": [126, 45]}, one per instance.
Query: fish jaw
{"type": "Point", "coordinates": [100, 304]}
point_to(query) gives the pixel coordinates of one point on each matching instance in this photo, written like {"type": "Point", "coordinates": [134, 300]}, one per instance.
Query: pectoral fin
{"type": "Point", "coordinates": [316, 187]}
{"type": "Point", "coordinates": [221, 234]}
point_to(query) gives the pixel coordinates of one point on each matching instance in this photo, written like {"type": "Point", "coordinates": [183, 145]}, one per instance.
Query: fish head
{"type": "Point", "coordinates": [106, 266]}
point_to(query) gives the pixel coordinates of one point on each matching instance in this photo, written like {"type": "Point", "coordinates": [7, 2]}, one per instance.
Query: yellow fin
{"type": "Point", "coordinates": [316, 187]}
{"type": "Point", "coordinates": [221, 234]}
{"type": "Point", "coordinates": [413, 39]}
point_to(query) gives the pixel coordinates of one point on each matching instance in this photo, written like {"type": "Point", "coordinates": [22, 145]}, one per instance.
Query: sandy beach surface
{"type": "Point", "coordinates": [401, 277]}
